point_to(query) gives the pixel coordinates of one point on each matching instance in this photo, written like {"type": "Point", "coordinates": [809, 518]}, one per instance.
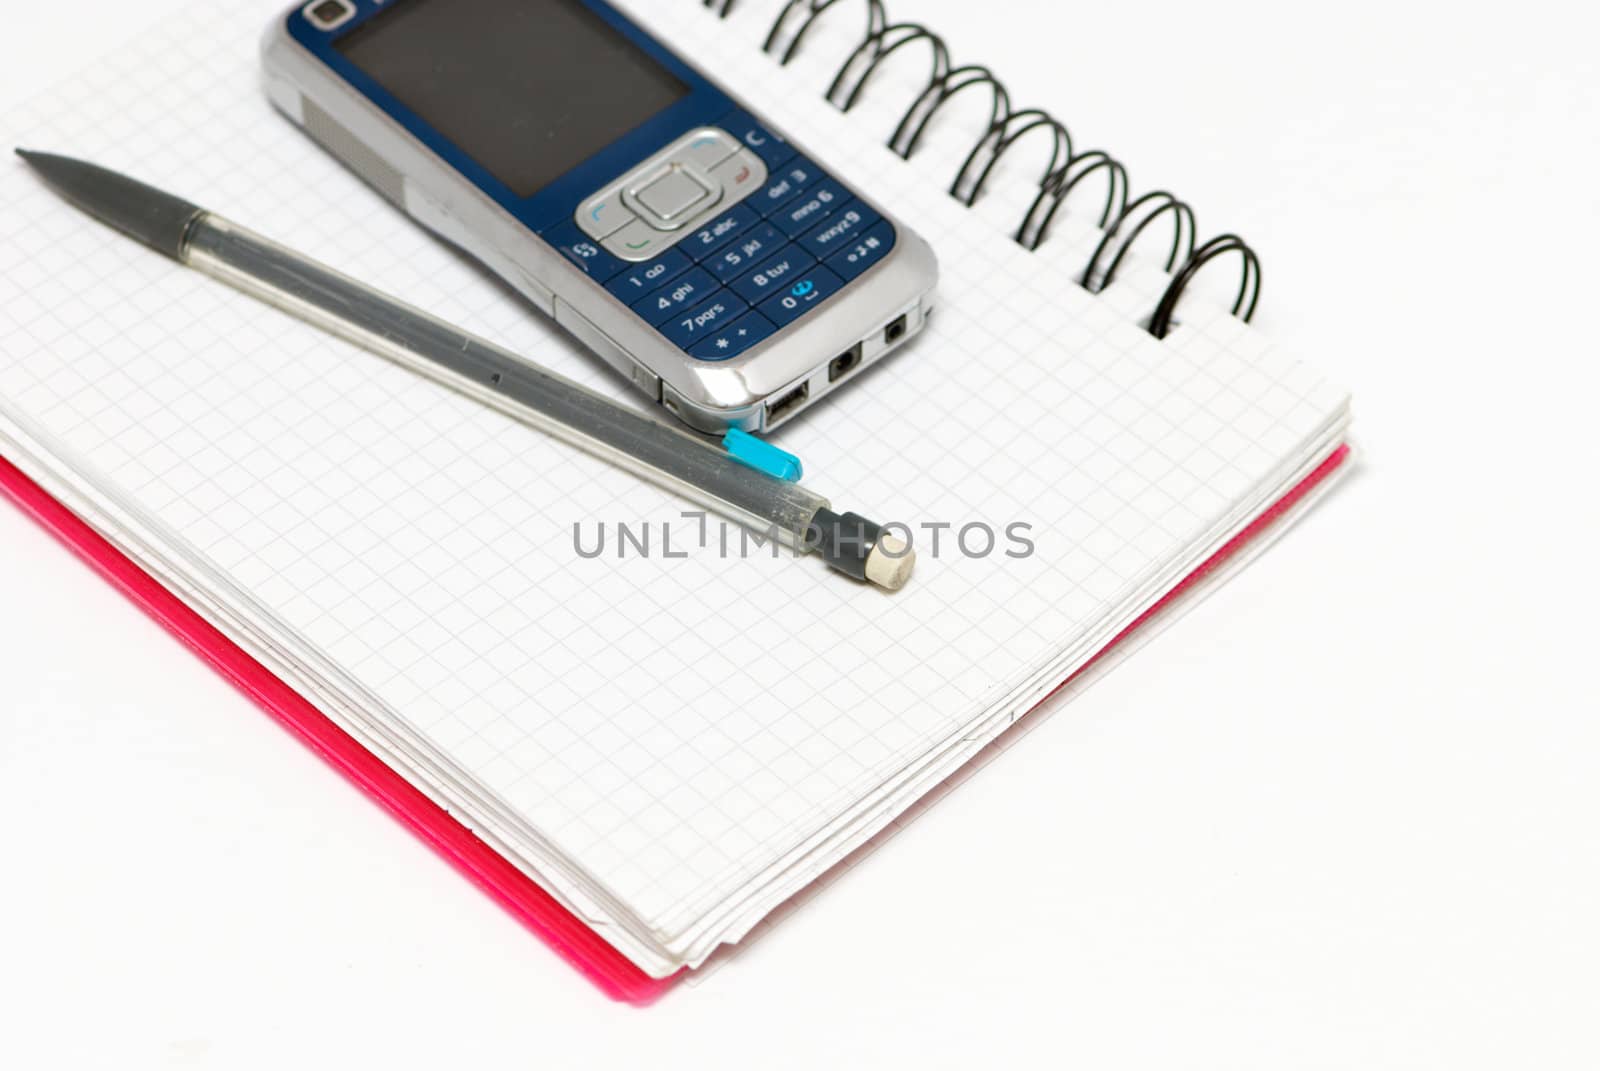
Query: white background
{"type": "Point", "coordinates": [1344, 814]}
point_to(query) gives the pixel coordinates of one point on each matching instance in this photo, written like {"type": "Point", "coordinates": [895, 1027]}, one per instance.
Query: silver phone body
{"type": "Point", "coordinates": [872, 316]}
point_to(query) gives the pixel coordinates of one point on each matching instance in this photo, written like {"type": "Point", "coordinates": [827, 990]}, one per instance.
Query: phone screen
{"type": "Point", "coordinates": [527, 88]}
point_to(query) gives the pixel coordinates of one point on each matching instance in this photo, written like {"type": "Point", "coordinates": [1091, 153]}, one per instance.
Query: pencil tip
{"type": "Point", "coordinates": [157, 219]}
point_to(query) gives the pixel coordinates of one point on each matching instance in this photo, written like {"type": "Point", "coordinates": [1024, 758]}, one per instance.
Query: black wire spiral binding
{"type": "Point", "coordinates": [998, 140]}
{"type": "Point", "coordinates": [908, 134]}
{"type": "Point", "coordinates": [1054, 189]}
{"type": "Point", "coordinates": [873, 50]}
{"type": "Point", "coordinates": [1007, 126]}
{"type": "Point", "coordinates": [1143, 211]}
{"type": "Point", "coordinates": [1249, 284]}
{"type": "Point", "coordinates": [802, 15]}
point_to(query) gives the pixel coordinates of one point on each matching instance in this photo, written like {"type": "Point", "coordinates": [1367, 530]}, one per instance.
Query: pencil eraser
{"type": "Point", "coordinates": [890, 563]}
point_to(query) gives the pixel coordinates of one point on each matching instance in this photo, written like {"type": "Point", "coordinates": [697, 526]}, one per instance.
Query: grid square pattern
{"type": "Point", "coordinates": [671, 746]}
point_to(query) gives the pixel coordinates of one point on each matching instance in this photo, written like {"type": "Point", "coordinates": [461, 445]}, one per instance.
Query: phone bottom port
{"type": "Point", "coordinates": [845, 363]}
{"type": "Point", "coordinates": [895, 331]}
{"type": "Point", "coordinates": [787, 404]}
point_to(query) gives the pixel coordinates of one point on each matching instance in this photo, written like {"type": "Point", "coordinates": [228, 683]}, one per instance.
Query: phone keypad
{"type": "Point", "coordinates": [773, 274]}
{"type": "Point", "coordinates": [663, 304]}
{"type": "Point", "coordinates": [814, 286]}
{"type": "Point", "coordinates": [640, 279]}
{"type": "Point", "coordinates": [742, 254]}
{"type": "Point", "coordinates": [724, 239]}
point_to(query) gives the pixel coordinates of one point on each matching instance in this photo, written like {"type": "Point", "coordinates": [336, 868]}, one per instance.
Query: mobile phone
{"type": "Point", "coordinates": [681, 237]}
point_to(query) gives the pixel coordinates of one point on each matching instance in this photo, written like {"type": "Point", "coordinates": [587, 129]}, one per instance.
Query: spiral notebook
{"type": "Point", "coordinates": [642, 757]}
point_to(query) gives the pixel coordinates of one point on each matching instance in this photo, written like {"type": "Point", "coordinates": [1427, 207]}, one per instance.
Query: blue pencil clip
{"type": "Point", "coordinates": [762, 455]}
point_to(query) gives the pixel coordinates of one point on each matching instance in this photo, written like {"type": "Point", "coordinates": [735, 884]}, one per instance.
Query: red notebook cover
{"type": "Point", "coordinates": [607, 968]}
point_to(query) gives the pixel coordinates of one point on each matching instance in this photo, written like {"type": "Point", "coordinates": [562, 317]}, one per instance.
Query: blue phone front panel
{"type": "Point", "coordinates": [714, 294]}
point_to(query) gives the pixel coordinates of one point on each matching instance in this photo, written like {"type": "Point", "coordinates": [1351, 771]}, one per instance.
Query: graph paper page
{"type": "Point", "coordinates": [670, 744]}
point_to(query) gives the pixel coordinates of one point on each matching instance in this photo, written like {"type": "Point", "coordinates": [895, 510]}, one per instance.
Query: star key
{"type": "Point", "coordinates": [736, 338]}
